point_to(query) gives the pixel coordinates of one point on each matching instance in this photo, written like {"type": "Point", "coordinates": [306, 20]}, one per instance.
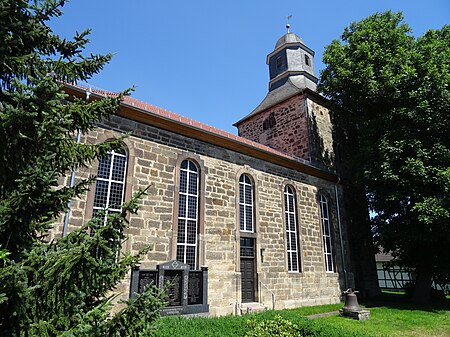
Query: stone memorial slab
{"type": "Point", "coordinates": [187, 290]}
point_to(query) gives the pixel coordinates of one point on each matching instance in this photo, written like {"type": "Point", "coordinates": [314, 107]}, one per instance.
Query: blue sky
{"type": "Point", "coordinates": [206, 59]}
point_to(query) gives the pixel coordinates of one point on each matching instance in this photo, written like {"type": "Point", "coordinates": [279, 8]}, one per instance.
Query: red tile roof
{"type": "Point", "coordinates": [169, 115]}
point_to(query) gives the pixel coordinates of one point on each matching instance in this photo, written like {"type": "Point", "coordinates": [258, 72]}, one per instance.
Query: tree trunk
{"type": "Point", "coordinates": [422, 289]}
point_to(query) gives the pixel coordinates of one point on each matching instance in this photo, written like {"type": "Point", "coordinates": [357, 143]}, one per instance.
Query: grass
{"type": "Point", "coordinates": [232, 326]}
{"type": "Point", "coordinates": [398, 322]}
{"type": "Point", "coordinates": [391, 315]}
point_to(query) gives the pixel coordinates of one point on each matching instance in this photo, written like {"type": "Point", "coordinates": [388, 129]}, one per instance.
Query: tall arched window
{"type": "Point", "coordinates": [246, 204]}
{"type": "Point", "coordinates": [326, 234]}
{"type": "Point", "coordinates": [188, 213]}
{"type": "Point", "coordinates": [290, 216]}
{"type": "Point", "coordinates": [110, 182]}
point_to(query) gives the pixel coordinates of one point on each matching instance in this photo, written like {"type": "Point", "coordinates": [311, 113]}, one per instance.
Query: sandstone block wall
{"type": "Point", "coordinates": [154, 158]}
{"type": "Point", "coordinates": [302, 128]}
{"type": "Point", "coordinates": [288, 135]}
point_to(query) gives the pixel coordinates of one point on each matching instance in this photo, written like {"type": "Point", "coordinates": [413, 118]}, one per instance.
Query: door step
{"type": "Point", "coordinates": [248, 308]}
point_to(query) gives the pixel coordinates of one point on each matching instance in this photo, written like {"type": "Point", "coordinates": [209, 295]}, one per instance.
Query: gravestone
{"type": "Point", "coordinates": [187, 290]}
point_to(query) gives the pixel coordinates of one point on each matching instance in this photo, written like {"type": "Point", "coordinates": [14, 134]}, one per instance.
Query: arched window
{"type": "Point", "coordinates": [188, 213]}
{"type": "Point", "coordinates": [110, 182]}
{"type": "Point", "coordinates": [246, 204]}
{"type": "Point", "coordinates": [290, 216]}
{"type": "Point", "coordinates": [326, 234]}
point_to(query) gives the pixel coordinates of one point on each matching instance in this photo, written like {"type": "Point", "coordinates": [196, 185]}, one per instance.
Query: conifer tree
{"type": "Point", "coordinates": [59, 288]}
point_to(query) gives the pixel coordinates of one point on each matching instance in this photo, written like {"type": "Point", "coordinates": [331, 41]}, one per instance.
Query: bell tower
{"type": "Point", "coordinates": [291, 60]}
{"type": "Point", "coordinates": [295, 119]}
{"type": "Point", "coordinates": [292, 117]}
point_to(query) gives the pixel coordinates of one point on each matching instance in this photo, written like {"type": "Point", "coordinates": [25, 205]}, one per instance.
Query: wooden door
{"type": "Point", "coordinates": [248, 269]}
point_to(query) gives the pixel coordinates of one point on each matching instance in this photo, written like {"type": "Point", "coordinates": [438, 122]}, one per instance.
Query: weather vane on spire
{"type": "Point", "coordinates": [288, 26]}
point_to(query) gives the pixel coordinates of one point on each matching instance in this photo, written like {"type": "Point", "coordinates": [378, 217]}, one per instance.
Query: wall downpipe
{"type": "Point", "coordinates": [338, 209]}
{"type": "Point", "coordinates": [72, 181]}
{"type": "Point", "coordinates": [71, 184]}
{"type": "Point", "coordinates": [308, 126]}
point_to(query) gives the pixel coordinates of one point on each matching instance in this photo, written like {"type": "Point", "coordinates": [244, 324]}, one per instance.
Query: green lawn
{"type": "Point", "coordinates": [390, 316]}
{"type": "Point", "coordinates": [404, 322]}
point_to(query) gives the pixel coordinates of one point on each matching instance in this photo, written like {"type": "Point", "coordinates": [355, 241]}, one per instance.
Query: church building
{"type": "Point", "coordinates": [262, 212]}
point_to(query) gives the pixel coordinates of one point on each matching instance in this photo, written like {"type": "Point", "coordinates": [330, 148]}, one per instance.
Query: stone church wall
{"type": "Point", "coordinates": [288, 130]}
{"type": "Point", "coordinates": [154, 158]}
{"type": "Point", "coordinates": [299, 126]}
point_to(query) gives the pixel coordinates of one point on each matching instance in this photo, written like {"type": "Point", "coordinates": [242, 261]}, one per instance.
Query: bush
{"type": "Point", "coordinates": [276, 327]}
{"type": "Point", "coordinates": [296, 327]}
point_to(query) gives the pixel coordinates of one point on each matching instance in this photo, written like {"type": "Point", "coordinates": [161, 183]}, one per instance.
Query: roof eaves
{"type": "Point", "coordinates": [171, 121]}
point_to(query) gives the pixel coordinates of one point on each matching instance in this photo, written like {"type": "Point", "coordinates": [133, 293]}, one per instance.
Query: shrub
{"type": "Point", "coordinates": [278, 326]}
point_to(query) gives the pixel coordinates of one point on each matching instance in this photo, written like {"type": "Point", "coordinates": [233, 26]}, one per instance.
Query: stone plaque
{"type": "Point", "coordinates": [187, 290]}
{"type": "Point", "coordinates": [146, 277]}
{"type": "Point", "coordinates": [175, 290]}
{"type": "Point", "coordinates": [195, 287]}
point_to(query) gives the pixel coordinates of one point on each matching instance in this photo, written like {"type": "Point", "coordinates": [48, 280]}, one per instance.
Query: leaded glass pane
{"type": "Point", "coordinates": [115, 195]}
{"type": "Point", "coordinates": [192, 207]}
{"type": "Point", "coordinates": [294, 262]}
{"type": "Point", "coordinates": [180, 253]}
{"type": "Point", "coordinates": [190, 256]}
{"type": "Point", "coordinates": [182, 206]}
{"type": "Point", "coordinates": [247, 180]}
{"type": "Point", "coordinates": [249, 218]}
{"type": "Point", "coordinates": [241, 217]}
{"type": "Point", "coordinates": [291, 203]}
{"type": "Point", "coordinates": [329, 262]}
{"type": "Point", "coordinates": [104, 166]}
{"type": "Point", "coordinates": [247, 247]}
{"type": "Point", "coordinates": [328, 244]}
{"type": "Point", "coordinates": [191, 231]}
{"type": "Point", "coordinates": [293, 242]}
{"type": "Point", "coordinates": [181, 230]}
{"type": "Point", "coordinates": [101, 193]}
{"type": "Point", "coordinates": [183, 181]}
{"type": "Point", "coordinates": [192, 166]}
{"type": "Point", "coordinates": [248, 195]}
{"type": "Point", "coordinates": [292, 226]}
{"type": "Point", "coordinates": [326, 227]}
{"type": "Point", "coordinates": [193, 183]}
{"type": "Point", "coordinates": [118, 171]}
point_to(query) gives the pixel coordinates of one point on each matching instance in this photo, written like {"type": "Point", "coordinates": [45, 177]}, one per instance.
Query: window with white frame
{"type": "Point", "coordinates": [246, 204]}
{"type": "Point", "coordinates": [110, 183]}
{"type": "Point", "coordinates": [326, 234]}
{"type": "Point", "coordinates": [188, 213]}
{"type": "Point", "coordinates": [290, 216]}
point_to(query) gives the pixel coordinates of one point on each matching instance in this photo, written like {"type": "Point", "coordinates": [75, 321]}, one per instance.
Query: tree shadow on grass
{"type": "Point", "coordinates": [402, 301]}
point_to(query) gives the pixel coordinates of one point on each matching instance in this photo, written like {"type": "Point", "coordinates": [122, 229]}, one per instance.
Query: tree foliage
{"type": "Point", "coordinates": [62, 287]}
{"type": "Point", "coordinates": [392, 93]}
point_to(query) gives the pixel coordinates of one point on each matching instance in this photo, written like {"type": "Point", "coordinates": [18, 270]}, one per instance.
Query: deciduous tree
{"type": "Point", "coordinates": [392, 93]}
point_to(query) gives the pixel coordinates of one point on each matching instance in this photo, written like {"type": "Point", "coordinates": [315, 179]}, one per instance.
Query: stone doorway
{"type": "Point", "coordinates": [248, 275]}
